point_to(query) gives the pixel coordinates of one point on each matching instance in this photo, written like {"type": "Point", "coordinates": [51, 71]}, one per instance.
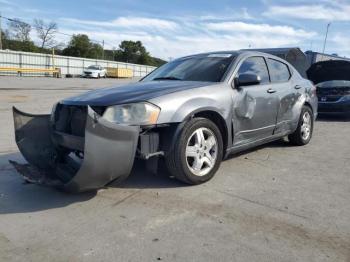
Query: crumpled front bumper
{"type": "Point", "coordinates": [108, 152]}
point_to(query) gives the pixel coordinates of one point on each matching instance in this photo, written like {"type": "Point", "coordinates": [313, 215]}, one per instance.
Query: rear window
{"type": "Point", "coordinates": [279, 72]}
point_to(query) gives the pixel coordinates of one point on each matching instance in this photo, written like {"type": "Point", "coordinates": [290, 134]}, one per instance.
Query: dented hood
{"type": "Point", "coordinates": [136, 92]}
{"type": "Point", "coordinates": [328, 71]}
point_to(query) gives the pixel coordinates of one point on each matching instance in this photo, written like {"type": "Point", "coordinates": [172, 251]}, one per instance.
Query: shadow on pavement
{"type": "Point", "coordinates": [141, 178]}
{"type": "Point", "coordinates": [16, 196]}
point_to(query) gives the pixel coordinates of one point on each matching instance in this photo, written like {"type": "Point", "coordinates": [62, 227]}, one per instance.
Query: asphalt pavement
{"type": "Point", "coordinates": [274, 203]}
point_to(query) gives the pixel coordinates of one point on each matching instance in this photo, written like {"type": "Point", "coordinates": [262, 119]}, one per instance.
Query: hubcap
{"type": "Point", "coordinates": [306, 126]}
{"type": "Point", "coordinates": [201, 151]}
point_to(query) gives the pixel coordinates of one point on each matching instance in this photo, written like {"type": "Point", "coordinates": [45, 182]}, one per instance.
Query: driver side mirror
{"type": "Point", "coordinates": [247, 80]}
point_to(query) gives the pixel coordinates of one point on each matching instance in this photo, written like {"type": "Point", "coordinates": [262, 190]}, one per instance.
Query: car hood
{"type": "Point", "coordinates": [334, 83]}
{"type": "Point", "coordinates": [135, 92]}
{"type": "Point", "coordinates": [329, 70]}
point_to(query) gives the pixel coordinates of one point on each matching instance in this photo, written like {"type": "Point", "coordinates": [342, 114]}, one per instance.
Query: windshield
{"type": "Point", "coordinates": [94, 67]}
{"type": "Point", "coordinates": [208, 68]}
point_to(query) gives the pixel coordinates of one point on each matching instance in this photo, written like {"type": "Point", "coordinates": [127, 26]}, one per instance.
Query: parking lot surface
{"type": "Point", "coordinates": [273, 203]}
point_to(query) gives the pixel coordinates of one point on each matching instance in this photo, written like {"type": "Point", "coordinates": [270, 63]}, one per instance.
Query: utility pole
{"type": "Point", "coordinates": [103, 49]}
{"type": "Point", "coordinates": [0, 32]}
{"type": "Point", "coordinates": [325, 40]}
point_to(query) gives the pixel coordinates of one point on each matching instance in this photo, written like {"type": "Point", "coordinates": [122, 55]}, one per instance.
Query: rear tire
{"type": "Point", "coordinates": [197, 153]}
{"type": "Point", "coordinates": [302, 135]}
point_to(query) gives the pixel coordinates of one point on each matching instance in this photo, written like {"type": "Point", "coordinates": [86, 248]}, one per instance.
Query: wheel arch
{"type": "Point", "coordinates": [308, 104]}
{"type": "Point", "coordinates": [218, 120]}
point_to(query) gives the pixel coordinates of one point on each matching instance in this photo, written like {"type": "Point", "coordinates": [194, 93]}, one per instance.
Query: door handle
{"type": "Point", "coordinates": [297, 87]}
{"type": "Point", "coordinates": [270, 91]}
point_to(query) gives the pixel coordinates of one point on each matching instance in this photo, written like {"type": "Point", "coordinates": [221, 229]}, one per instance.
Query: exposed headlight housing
{"type": "Point", "coordinates": [132, 114]}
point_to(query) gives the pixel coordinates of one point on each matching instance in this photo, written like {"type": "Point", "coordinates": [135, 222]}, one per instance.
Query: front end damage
{"type": "Point", "coordinates": [74, 148]}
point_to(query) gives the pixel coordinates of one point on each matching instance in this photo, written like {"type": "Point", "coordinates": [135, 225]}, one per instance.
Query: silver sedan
{"type": "Point", "coordinates": [191, 113]}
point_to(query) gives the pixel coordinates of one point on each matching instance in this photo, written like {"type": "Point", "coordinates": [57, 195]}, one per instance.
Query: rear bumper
{"type": "Point", "coordinates": [108, 152]}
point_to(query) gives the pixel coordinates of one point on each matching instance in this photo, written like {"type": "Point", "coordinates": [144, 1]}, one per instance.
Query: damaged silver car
{"type": "Point", "coordinates": [190, 113]}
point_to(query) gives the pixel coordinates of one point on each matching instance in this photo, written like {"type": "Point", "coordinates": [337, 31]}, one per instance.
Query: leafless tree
{"type": "Point", "coordinates": [19, 30]}
{"type": "Point", "coordinates": [46, 32]}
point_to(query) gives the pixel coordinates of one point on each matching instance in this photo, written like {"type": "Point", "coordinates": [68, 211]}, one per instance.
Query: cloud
{"type": "Point", "coordinates": [264, 29]}
{"type": "Point", "coordinates": [229, 14]}
{"type": "Point", "coordinates": [245, 14]}
{"type": "Point", "coordinates": [340, 44]}
{"type": "Point", "coordinates": [127, 22]}
{"type": "Point", "coordinates": [6, 2]}
{"type": "Point", "coordinates": [332, 11]}
{"type": "Point", "coordinates": [181, 36]}
{"type": "Point", "coordinates": [144, 22]}
{"type": "Point", "coordinates": [268, 23]}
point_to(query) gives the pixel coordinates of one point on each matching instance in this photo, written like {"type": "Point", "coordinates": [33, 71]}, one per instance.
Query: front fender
{"type": "Point", "coordinates": [177, 108]}
{"type": "Point", "coordinates": [194, 106]}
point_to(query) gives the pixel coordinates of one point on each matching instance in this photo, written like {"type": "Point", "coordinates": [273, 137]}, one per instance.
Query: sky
{"type": "Point", "coordinates": [171, 29]}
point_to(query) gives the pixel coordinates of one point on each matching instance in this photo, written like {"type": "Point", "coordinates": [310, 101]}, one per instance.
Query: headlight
{"type": "Point", "coordinates": [132, 114]}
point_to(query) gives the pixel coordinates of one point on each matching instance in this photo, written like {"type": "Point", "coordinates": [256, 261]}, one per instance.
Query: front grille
{"type": "Point", "coordinates": [70, 119]}
{"type": "Point", "coordinates": [329, 98]}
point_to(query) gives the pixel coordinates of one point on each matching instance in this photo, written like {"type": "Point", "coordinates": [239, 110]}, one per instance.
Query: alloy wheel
{"type": "Point", "coordinates": [306, 126]}
{"type": "Point", "coordinates": [201, 151]}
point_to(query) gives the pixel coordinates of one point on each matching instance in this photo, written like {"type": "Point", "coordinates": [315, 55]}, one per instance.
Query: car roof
{"type": "Point", "coordinates": [237, 53]}
{"type": "Point", "coordinates": [244, 53]}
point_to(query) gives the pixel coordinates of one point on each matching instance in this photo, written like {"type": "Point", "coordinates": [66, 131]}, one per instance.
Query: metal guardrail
{"type": "Point", "coordinates": [68, 65]}
{"type": "Point", "coordinates": [56, 72]}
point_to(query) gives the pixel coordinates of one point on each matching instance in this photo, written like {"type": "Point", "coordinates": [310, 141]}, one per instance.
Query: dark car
{"type": "Point", "coordinates": [332, 79]}
{"type": "Point", "coordinates": [190, 113]}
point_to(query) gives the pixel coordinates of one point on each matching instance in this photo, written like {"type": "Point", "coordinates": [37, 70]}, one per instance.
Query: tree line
{"type": "Point", "coordinates": [17, 37]}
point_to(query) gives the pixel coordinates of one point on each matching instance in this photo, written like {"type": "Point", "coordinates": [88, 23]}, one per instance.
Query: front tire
{"type": "Point", "coordinates": [302, 135]}
{"type": "Point", "coordinates": [197, 154]}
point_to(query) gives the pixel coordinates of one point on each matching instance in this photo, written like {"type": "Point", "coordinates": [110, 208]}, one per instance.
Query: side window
{"type": "Point", "coordinates": [255, 65]}
{"type": "Point", "coordinates": [279, 71]}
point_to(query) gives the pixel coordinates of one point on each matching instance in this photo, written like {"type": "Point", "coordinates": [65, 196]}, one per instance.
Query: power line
{"type": "Point", "coordinates": [16, 20]}
{"type": "Point", "coordinates": [0, 34]}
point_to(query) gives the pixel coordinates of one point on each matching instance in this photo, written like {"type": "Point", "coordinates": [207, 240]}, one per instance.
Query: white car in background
{"type": "Point", "coordinates": [95, 71]}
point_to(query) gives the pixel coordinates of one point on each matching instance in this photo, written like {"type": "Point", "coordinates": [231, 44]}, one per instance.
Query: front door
{"type": "Point", "coordinates": [254, 107]}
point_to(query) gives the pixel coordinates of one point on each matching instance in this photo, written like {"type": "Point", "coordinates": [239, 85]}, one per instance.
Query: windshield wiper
{"type": "Point", "coordinates": [167, 78]}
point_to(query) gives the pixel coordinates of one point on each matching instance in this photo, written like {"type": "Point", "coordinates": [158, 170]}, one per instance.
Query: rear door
{"type": "Point", "coordinates": [287, 93]}
{"type": "Point", "coordinates": [255, 106]}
